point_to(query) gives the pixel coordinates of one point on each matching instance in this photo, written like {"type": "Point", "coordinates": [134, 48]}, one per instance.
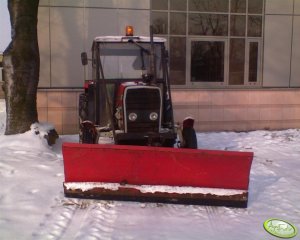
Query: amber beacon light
{"type": "Point", "coordinates": [129, 31]}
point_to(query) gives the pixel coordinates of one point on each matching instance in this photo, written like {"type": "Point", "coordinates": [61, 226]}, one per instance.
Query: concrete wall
{"type": "Point", "coordinates": [214, 110]}
{"type": "Point", "coordinates": [281, 44]}
{"type": "Point", "coordinates": [241, 110]}
{"type": "Point", "coordinates": [59, 108]}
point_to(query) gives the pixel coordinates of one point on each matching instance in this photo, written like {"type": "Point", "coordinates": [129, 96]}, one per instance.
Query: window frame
{"type": "Point", "coordinates": [189, 41]}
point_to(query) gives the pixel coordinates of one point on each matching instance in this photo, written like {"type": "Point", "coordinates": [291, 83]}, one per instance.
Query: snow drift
{"type": "Point", "coordinates": [32, 204]}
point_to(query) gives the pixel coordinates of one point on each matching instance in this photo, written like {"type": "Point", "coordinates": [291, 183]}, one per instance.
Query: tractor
{"type": "Point", "coordinates": [127, 148]}
{"type": "Point", "coordinates": [129, 98]}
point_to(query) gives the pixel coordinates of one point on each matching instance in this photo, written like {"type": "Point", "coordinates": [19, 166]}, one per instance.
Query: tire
{"type": "Point", "coordinates": [88, 133]}
{"type": "Point", "coordinates": [83, 107]}
{"type": "Point", "coordinates": [82, 113]}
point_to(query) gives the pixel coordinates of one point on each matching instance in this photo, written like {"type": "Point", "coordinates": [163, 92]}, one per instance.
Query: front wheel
{"type": "Point", "coordinates": [83, 107]}
{"type": "Point", "coordinates": [88, 133]}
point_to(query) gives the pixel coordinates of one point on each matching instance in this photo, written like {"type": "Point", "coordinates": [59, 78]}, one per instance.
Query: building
{"type": "Point", "coordinates": [233, 63]}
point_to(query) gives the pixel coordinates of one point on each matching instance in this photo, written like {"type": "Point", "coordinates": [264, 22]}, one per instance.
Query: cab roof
{"type": "Point", "coordinates": [126, 39]}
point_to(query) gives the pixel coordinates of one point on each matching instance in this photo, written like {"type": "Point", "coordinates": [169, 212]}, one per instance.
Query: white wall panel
{"type": "Point", "coordinates": [100, 22]}
{"type": "Point", "coordinates": [295, 71]}
{"type": "Point", "coordinates": [44, 46]}
{"type": "Point", "coordinates": [297, 7]}
{"type": "Point", "coordinates": [67, 41]}
{"type": "Point", "coordinates": [277, 51]}
{"type": "Point", "coordinates": [279, 6]}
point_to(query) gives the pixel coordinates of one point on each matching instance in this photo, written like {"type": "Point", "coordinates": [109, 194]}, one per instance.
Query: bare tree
{"type": "Point", "coordinates": [21, 64]}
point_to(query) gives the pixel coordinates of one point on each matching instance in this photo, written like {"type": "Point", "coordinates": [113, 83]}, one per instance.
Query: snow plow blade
{"type": "Point", "coordinates": [154, 174]}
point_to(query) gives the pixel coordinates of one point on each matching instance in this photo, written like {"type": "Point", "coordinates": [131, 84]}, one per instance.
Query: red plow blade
{"type": "Point", "coordinates": [152, 174]}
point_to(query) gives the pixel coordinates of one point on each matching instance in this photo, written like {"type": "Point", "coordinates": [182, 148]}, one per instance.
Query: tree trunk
{"type": "Point", "coordinates": [21, 65]}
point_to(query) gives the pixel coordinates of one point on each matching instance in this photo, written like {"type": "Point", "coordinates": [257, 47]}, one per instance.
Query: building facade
{"type": "Point", "coordinates": [233, 63]}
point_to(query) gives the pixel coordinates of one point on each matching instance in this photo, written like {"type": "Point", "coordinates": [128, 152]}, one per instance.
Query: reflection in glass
{"type": "Point", "coordinates": [238, 6]}
{"type": "Point", "coordinates": [178, 23]}
{"type": "Point", "coordinates": [208, 24]}
{"type": "Point", "coordinates": [178, 5]}
{"type": "Point", "coordinates": [237, 61]}
{"type": "Point", "coordinates": [254, 26]}
{"type": "Point", "coordinates": [159, 4]}
{"type": "Point", "coordinates": [179, 19]}
{"type": "Point", "coordinates": [237, 25]}
{"type": "Point", "coordinates": [207, 61]}
{"type": "Point", "coordinates": [121, 60]}
{"type": "Point", "coordinates": [177, 60]}
{"type": "Point", "coordinates": [255, 6]}
{"type": "Point", "coordinates": [160, 22]}
{"type": "Point", "coordinates": [209, 5]}
{"type": "Point", "coordinates": [253, 61]}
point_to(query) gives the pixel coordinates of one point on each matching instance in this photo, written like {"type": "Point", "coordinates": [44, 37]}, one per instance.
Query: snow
{"type": "Point", "coordinates": [32, 204]}
{"type": "Point", "coordinates": [152, 189]}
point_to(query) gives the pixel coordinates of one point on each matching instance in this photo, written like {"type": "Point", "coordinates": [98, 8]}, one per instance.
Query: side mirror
{"type": "Point", "coordinates": [84, 58]}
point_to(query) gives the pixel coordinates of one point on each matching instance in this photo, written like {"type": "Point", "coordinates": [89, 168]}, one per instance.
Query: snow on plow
{"type": "Point", "coordinates": [156, 174]}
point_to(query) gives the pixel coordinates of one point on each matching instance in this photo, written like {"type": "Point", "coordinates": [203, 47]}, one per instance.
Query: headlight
{"type": "Point", "coordinates": [132, 117]}
{"type": "Point", "coordinates": [153, 116]}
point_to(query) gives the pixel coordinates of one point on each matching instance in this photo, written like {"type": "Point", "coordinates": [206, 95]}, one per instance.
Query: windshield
{"type": "Point", "coordinates": [128, 60]}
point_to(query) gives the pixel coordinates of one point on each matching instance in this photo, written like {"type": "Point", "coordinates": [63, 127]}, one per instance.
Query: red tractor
{"type": "Point", "coordinates": [127, 135]}
{"type": "Point", "coordinates": [129, 98]}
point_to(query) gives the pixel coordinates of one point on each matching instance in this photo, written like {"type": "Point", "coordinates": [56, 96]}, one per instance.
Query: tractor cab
{"type": "Point", "coordinates": [128, 99]}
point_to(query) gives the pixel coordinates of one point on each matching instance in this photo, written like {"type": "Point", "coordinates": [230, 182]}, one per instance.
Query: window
{"type": "Point", "coordinates": [208, 5]}
{"type": "Point", "coordinates": [254, 26]}
{"type": "Point", "coordinates": [255, 6]}
{"type": "Point", "coordinates": [237, 25]}
{"type": "Point", "coordinates": [211, 42]}
{"type": "Point", "coordinates": [207, 61]}
{"type": "Point", "coordinates": [253, 51]}
{"type": "Point", "coordinates": [237, 61]}
{"type": "Point", "coordinates": [178, 23]}
{"type": "Point", "coordinates": [178, 60]}
{"type": "Point", "coordinates": [208, 24]}
{"type": "Point", "coordinates": [160, 22]}
{"type": "Point", "coordinates": [178, 5]}
{"type": "Point", "coordinates": [159, 5]}
{"type": "Point", "coordinates": [238, 6]}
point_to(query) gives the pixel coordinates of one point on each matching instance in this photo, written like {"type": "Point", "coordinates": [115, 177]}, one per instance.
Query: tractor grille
{"type": "Point", "coordinates": [143, 101]}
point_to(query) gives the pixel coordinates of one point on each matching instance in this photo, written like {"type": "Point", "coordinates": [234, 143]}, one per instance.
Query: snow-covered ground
{"type": "Point", "coordinates": [32, 204]}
